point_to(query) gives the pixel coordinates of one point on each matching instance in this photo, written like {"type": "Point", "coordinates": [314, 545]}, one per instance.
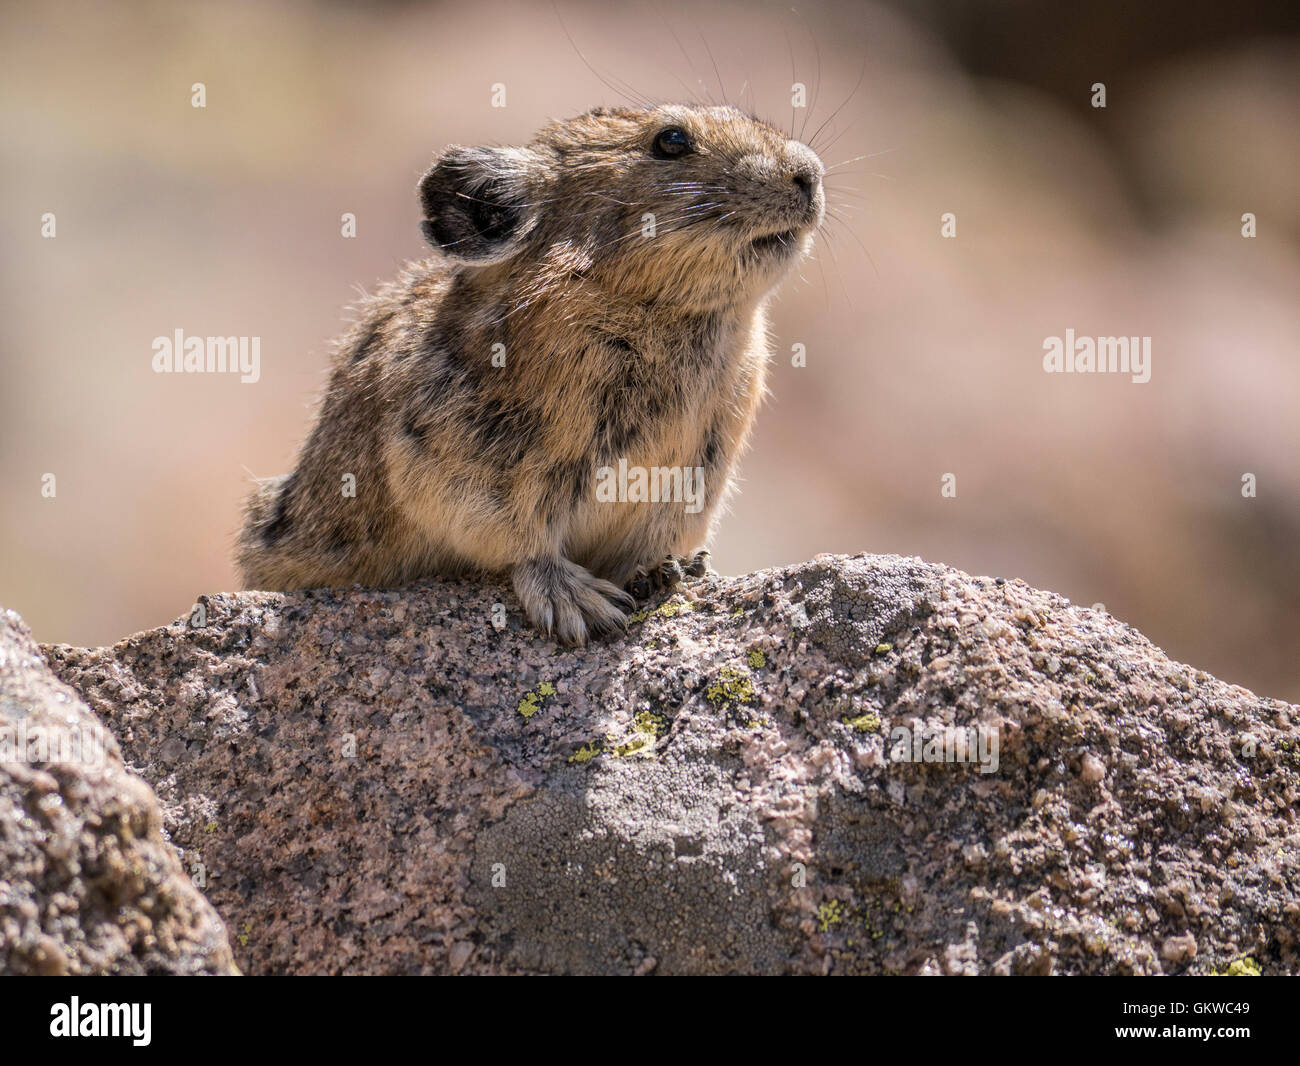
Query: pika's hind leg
{"type": "Point", "coordinates": [668, 573]}
{"type": "Point", "coordinates": [562, 598]}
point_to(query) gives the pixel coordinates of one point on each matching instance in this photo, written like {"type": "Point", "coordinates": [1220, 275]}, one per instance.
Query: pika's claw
{"type": "Point", "coordinates": [670, 573]}
{"type": "Point", "coordinates": [698, 564]}
{"type": "Point", "coordinates": [639, 586]}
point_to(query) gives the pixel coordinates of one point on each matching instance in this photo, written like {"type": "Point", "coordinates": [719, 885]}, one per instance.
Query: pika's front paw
{"type": "Point", "coordinates": [668, 573]}
{"type": "Point", "coordinates": [568, 602]}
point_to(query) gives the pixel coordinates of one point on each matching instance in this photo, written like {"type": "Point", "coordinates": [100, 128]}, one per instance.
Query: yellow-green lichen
{"type": "Point", "coordinates": [631, 747]}
{"type": "Point", "coordinates": [830, 913]}
{"type": "Point", "coordinates": [1244, 967]}
{"type": "Point", "coordinates": [863, 723]}
{"type": "Point", "coordinates": [586, 753]}
{"type": "Point", "coordinates": [884, 649]}
{"type": "Point", "coordinates": [732, 686]}
{"type": "Point", "coordinates": [671, 609]}
{"type": "Point", "coordinates": [649, 722]}
{"type": "Point", "coordinates": [757, 660]}
{"type": "Point", "coordinates": [532, 701]}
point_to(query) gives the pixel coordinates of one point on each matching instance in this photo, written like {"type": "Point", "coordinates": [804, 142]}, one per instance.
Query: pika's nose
{"type": "Point", "coordinates": [806, 180]}
{"type": "Point", "coordinates": [805, 169]}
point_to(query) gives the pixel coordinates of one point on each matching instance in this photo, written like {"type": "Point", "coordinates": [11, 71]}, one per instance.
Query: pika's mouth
{"type": "Point", "coordinates": [776, 243]}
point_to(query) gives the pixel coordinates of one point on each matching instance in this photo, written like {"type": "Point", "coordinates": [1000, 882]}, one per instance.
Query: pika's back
{"type": "Point", "coordinates": [596, 300]}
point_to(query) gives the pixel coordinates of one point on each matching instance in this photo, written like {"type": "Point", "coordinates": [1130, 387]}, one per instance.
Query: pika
{"type": "Point", "coordinates": [596, 301]}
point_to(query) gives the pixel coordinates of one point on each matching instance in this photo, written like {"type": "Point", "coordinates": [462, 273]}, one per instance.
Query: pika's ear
{"type": "Point", "coordinates": [477, 202]}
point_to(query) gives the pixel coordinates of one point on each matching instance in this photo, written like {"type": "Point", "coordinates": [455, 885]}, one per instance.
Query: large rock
{"type": "Point", "coordinates": [383, 781]}
{"type": "Point", "coordinates": [88, 885]}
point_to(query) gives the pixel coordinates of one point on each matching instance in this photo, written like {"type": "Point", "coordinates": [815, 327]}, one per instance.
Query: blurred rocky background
{"type": "Point", "coordinates": [923, 353]}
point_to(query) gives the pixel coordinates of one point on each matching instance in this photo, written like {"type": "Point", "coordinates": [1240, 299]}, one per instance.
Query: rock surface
{"type": "Point", "coordinates": [385, 782]}
{"type": "Point", "coordinates": [88, 885]}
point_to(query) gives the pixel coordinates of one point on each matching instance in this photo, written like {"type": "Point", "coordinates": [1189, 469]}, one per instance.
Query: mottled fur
{"type": "Point", "coordinates": [616, 345]}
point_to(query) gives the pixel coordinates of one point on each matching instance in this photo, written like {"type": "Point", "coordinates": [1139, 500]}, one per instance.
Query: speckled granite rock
{"type": "Point", "coordinates": [380, 781]}
{"type": "Point", "coordinates": [88, 885]}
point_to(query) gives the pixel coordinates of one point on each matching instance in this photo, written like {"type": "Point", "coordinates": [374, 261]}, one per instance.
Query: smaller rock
{"type": "Point", "coordinates": [459, 955]}
{"type": "Point", "coordinates": [1092, 770]}
{"type": "Point", "coordinates": [1179, 948]}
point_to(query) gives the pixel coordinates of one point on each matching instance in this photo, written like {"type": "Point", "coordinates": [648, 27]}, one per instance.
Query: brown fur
{"type": "Point", "coordinates": [616, 345]}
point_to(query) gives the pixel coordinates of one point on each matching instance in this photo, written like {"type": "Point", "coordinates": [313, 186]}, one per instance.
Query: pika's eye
{"type": "Point", "coordinates": [671, 143]}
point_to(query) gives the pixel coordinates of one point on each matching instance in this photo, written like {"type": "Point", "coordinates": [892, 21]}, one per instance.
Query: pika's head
{"type": "Point", "coordinates": [701, 205]}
